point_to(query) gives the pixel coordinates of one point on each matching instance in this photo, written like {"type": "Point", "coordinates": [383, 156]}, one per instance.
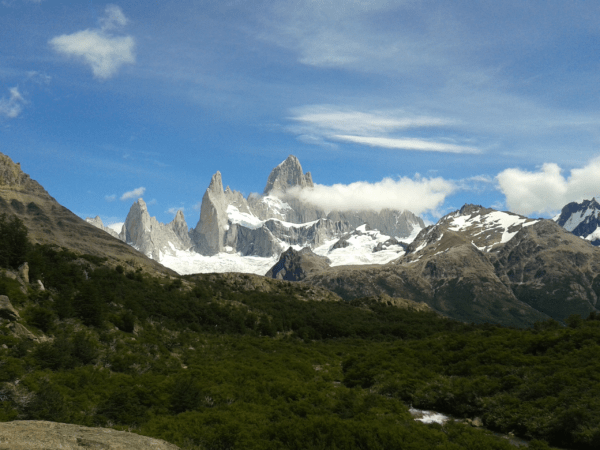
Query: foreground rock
{"type": "Point", "coordinates": [34, 435]}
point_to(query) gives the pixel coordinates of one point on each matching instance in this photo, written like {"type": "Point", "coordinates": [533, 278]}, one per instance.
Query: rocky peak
{"type": "Point", "coordinates": [179, 217]}
{"type": "Point", "coordinates": [469, 208]}
{"type": "Point", "coordinates": [216, 183]}
{"type": "Point", "coordinates": [11, 173]}
{"type": "Point", "coordinates": [96, 221]}
{"type": "Point", "coordinates": [287, 174]}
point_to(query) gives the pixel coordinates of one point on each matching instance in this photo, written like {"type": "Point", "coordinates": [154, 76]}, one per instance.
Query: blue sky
{"type": "Point", "coordinates": [424, 105]}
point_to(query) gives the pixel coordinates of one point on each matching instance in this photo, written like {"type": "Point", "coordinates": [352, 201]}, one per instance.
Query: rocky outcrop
{"type": "Point", "coordinates": [7, 310]}
{"type": "Point", "coordinates": [294, 265]}
{"type": "Point", "coordinates": [42, 435]}
{"type": "Point", "coordinates": [97, 222]}
{"type": "Point", "coordinates": [287, 174]}
{"type": "Point", "coordinates": [210, 231]}
{"type": "Point", "coordinates": [11, 174]}
{"type": "Point", "coordinates": [24, 272]}
{"type": "Point", "coordinates": [150, 236]}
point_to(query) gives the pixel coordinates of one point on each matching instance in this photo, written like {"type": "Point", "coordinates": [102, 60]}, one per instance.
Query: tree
{"type": "Point", "coordinates": [14, 243]}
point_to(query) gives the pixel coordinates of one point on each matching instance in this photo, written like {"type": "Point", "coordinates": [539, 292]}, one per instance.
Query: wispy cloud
{"type": "Point", "coordinates": [11, 107]}
{"type": "Point", "coordinates": [113, 18]}
{"type": "Point", "coordinates": [174, 210]}
{"type": "Point", "coordinates": [547, 190]}
{"type": "Point", "coordinates": [98, 48]}
{"type": "Point", "coordinates": [415, 194]}
{"type": "Point", "coordinates": [326, 124]}
{"type": "Point", "coordinates": [110, 198]}
{"type": "Point", "coordinates": [133, 194]}
{"type": "Point", "coordinates": [406, 144]}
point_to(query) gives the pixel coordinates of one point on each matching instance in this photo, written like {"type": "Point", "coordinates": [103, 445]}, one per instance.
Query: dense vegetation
{"type": "Point", "coordinates": [203, 365]}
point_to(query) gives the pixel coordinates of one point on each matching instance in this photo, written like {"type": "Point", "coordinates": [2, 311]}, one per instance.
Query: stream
{"type": "Point", "coordinates": [435, 417]}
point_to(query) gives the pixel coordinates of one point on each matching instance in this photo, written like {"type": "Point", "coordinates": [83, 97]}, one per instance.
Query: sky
{"type": "Point", "coordinates": [404, 104]}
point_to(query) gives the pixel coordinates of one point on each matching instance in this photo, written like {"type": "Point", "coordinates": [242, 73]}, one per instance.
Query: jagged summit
{"type": "Point", "coordinates": [216, 183]}
{"type": "Point", "coordinates": [581, 219]}
{"type": "Point", "coordinates": [234, 230]}
{"type": "Point", "coordinates": [287, 174]}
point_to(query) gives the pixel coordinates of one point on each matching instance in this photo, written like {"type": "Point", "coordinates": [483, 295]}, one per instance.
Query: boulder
{"type": "Point", "coordinates": [21, 332]}
{"type": "Point", "coordinates": [42, 435]}
{"type": "Point", "coordinates": [7, 311]}
{"type": "Point", "coordinates": [24, 272]}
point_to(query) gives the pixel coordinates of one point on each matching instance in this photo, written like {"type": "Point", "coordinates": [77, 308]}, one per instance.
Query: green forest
{"type": "Point", "coordinates": [205, 366]}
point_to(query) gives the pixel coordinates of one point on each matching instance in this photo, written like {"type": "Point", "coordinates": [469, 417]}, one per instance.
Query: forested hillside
{"type": "Point", "coordinates": [207, 363]}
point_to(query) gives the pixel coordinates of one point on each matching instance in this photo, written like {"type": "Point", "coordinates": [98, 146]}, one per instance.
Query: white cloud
{"type": "Point", "coordinates": [546, 191]}
{"type": "Point", "coordinates": [110, 198]}
{"type": "Point", "coordinates": [332, 119]}
{"type": "Point", "coordinates": [414, 194]}
{"type": "Point", "coordinates": [103, 52]}
{"type": "Point", "coordinates": [321, 124]}
{"type": "Point", "coordinates": [406, 144]}
{"type": "Point", "coordinates": [12, 106]}
{"type": "Point", "coordinates": [114, 18]}
{"type": "Point", "coordinates": [133, 194]}
{"type": "Point", "coordinates": [152, 202]}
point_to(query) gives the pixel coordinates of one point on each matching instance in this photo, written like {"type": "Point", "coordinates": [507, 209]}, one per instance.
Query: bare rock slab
{"type": "Point", "coordinates": [38, 435]}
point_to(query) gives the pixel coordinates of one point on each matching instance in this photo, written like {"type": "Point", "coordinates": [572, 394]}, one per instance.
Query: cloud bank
{"type": "Point", "coordinates": [133, 194]}
{"type": "Point", "coordinates": [12, 106]}
{"type": "Point", "coordinates": [547, 190]}
{"type": "Point", "coordinates": [99, 49]}
{"type": "Point", "coordinates": [416, 194]}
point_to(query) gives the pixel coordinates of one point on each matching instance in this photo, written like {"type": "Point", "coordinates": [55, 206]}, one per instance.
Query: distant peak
{"type": "Point", "coordinates": [179, 216]}
{"type": "Point", "coordinates": [216, 183]}
{"type": "Point", "coordinates": [287, 174]}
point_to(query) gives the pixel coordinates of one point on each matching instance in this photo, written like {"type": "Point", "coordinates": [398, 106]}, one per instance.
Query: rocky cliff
{"type": "Point", "coordinates": [151, 237]}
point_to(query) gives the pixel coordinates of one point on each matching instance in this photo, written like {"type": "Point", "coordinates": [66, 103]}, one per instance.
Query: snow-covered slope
{"type": "Point", "coordinates": [484, 228]}
{"type": "Point", "coordinates": [582, 219]}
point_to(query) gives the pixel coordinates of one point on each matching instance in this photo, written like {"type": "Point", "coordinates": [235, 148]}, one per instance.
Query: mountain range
{"type": "Point", "coordinates": [241, 234]}
{"type": "Point", "coordinates": [475, 264]}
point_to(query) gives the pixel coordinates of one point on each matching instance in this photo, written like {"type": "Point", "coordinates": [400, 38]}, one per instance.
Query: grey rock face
{"type": "Point", "coordinates": [287, 174]}
{"type": "Point", "coordinates": [42, 435]}
{"type": "Point", "coordinates": [97, 222]}
{"type": "Point", "coordinates": [7, 310]}
{"type": "Point", "coordinates": [150, 236]}
{"type": "Point", "coordinates": [210, 230]}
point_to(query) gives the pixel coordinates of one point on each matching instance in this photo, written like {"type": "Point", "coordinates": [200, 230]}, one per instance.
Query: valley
{"type": "Point", "coordinates": [487, 316]}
